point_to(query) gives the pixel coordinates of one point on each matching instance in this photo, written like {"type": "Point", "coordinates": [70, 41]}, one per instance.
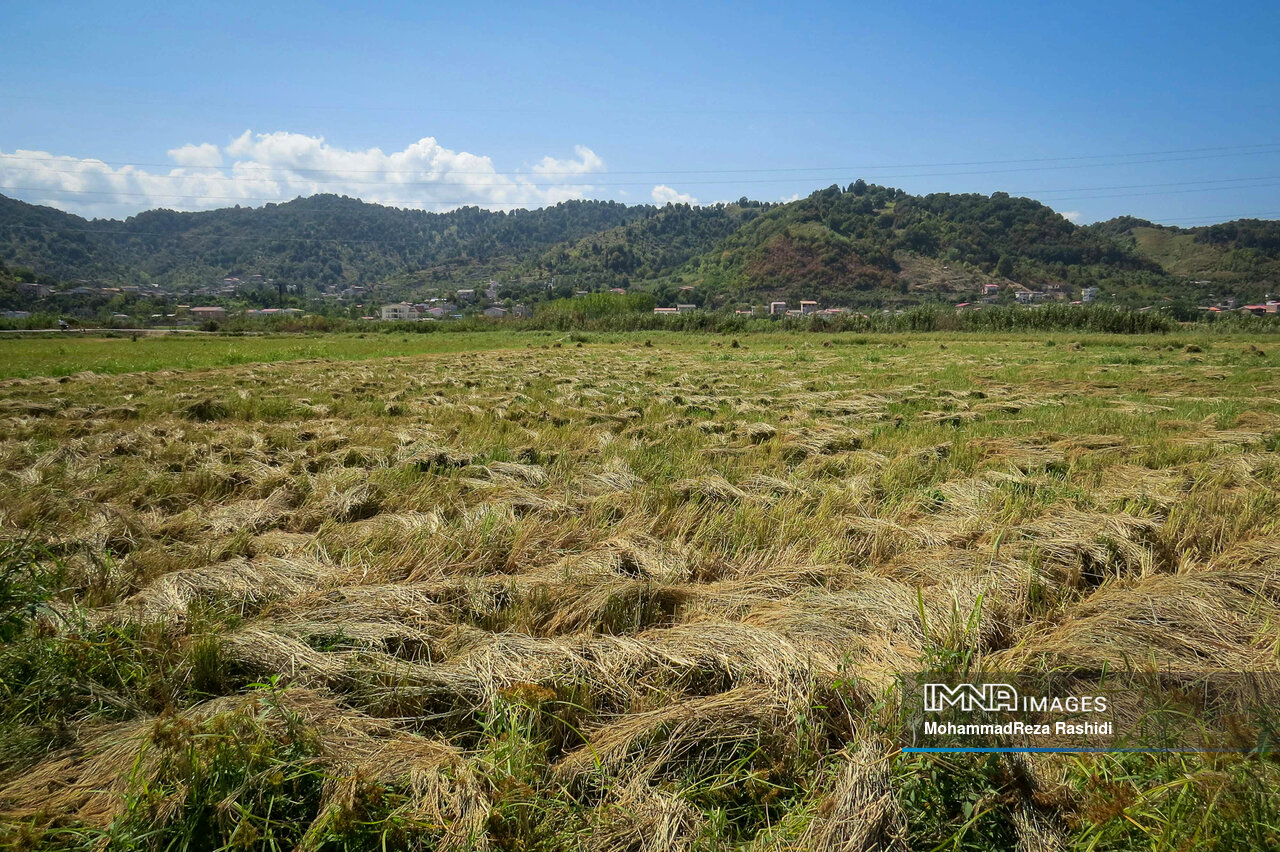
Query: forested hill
{"type": "Point", "coordinates": [860, 245]}
{"type": "Point", "coordinates": [1241, 257]}
{"type": "Point", "coordinates": [648, 249]}
{"type": "Point", "coordinates": [868, 244]}
{"type": "Point", "coordinates": [322, 241]}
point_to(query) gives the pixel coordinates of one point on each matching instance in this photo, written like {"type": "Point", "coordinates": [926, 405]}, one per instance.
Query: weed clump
{"type": "Point", "coordinates": [206, 410]}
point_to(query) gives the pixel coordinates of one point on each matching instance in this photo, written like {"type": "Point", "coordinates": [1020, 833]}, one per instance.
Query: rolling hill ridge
{"type": "Point", "coordinates": [860, 245]}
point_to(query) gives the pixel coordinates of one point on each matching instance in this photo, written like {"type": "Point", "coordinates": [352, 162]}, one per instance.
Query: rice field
{"type": "Point", "coordinates": [624, 592]}
{"type": "Point", "coordinates": [64, 354]}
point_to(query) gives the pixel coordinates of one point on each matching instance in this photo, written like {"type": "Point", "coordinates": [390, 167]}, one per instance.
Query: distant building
{"type": "Point", "coordinates": [991, 289]}
{"type": "Point", "coordinates": [495, 311]}
{"type": "Point", "coordinates": [684, 309]}
{"type": "Point", "coordinates": [466, 295]}
{"type": "Point", "coordinates": [620, 290]}
{"type": "Point", "coordinates": [402, 311]}
{"type": "Point", "coordinates": [209, 313]}
{"type": "Point", "coordinates": [777, 308]}
{"type": "Point", "coordinates": [39, 291]}
{"type": "Point", "coordinates": [666, 310]}
{"type": "Point", "coordinates": [15, 314]}
{"type": "Point", "coordinates": [1089, 294]}
{"type": "Point", "coordinates": [1027, 297]}
{"type": "Point", "coordinates": [274, 312]}
{"type": "Point", "coordinates": [807, 306]}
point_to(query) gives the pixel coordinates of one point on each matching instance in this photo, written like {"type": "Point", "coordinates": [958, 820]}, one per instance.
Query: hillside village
{"type": "Point", "coordinates": [232, 298]}
{"type": "Point", "coordinates": [467, 303]}
{"type": "Point", "coordinates": [859, 249]}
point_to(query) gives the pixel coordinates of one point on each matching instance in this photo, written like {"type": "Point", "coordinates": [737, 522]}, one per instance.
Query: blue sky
{"type": "Point", "coordinates": [1168, 111]}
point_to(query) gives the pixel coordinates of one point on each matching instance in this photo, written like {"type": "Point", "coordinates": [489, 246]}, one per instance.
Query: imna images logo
{"type": "Point", "coordinates": [967, 697]}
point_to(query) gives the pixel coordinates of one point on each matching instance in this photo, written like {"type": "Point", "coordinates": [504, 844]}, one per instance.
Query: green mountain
{"type": "Point", "coordinates": [1240, 258]}
{"type": "Point", "coordinates": [872, 245]}
{"type": "Point", "coordinates": [860, 245]}
{"type": "Point", "coordinates": [324, 241]}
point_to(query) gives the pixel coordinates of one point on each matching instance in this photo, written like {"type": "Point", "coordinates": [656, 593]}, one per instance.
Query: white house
{"type": "Point", "coordinates": [402, 311]}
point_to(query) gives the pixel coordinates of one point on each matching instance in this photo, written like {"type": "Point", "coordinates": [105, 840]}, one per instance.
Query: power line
{"type": "Point", "coordinates": [1268, 181]}
{"type": "Point", "coordinates": [1224, 217]}
{"type": "Point", "coordinates": [1143, 185]}
{"type": "Point", "coordinates": [1161, 192]}
{"type": "Point", "coordinates": [1240, 150]}
{"type": "Point", "coordinates": [587, 182]}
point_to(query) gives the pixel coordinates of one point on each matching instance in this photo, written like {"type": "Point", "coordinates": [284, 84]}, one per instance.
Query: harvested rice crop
{"type": "Point", "coordinates": [623, 597]}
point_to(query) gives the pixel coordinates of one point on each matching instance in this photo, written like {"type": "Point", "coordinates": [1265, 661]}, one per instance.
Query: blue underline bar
{"type": "Point", "coordinates": [997, 750]}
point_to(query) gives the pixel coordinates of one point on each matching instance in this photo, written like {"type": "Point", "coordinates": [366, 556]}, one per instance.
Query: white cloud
{"type": "Point", "coordinates": [205, 154]}
{"type": "Point", "coordinates": [281, 166]}
{"type": "Point", "coordinates": [586, 162]}
{"type": "Point", "coordinates": [662, 194]}
{"type": "Point", "coordinates": [1070, 215]}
